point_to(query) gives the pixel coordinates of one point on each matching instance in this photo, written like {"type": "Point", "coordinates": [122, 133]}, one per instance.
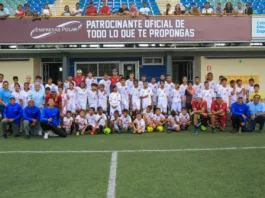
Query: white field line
{"type": "Point", "coordinates": [136, 151]}
{"type": "Point", "coordinates": [112, 175]}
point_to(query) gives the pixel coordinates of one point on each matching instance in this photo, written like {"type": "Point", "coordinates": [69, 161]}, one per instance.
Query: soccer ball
{"type": "Point", "coordinates": [150, 129]}
{"type": "Point", "coordinates": [160, 129]}
{"type": "Point", "coordinates": [107, 131]}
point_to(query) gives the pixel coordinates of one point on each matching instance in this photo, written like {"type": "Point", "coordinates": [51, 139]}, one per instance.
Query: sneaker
{"type": "Point", "coordinates": [213, 131]}
{"type": "Point", "coordinates": [234, 130]}
{"type": "Point", "coordinates": [195, 131]}
{"type": "Point", "coordinates": [40, 133]}
{"type": "Point", "coordinates": [92, 132]}
{"type": "Point", "coordinates": [46, 135]}
{"type": "Point", "coordinates": [4, 137]}
{"type": "Point", "coordinates": [77, 133]}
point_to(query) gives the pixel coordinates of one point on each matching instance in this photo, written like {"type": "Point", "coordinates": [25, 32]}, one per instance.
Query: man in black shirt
{"type": "Point", "coordinates": [123, 10]}
{"type": "Point", "coordinates": [249, 9]}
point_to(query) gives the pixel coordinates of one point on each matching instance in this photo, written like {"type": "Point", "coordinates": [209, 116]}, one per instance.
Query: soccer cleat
{"type": "Point", "coordinates": [92, 132]}
{"type": "Point", "coordinates": [77, 133]}
{"type": "Point", "coordinates": [27, 137]}
{"type": "Point", "coordinates": [213, 130]}
{"type": "Point", "coordinates": [240, 130]}
{"type": "Point", "coordinates": [4, 137]}
{"type": "Point", "coordinates": [46, 135]}
{"type": "Point", "coordinates": [195, 131]}
{"type": "Point", "coordinates": [82, 133]}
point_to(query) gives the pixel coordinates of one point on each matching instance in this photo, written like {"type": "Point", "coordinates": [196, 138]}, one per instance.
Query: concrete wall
{"type": "Point", "coordinates": [239, 67]}
{"type": "Point", "coordinates": [37, 67]}
{"type": "Point", "coordinates": [17, 68]}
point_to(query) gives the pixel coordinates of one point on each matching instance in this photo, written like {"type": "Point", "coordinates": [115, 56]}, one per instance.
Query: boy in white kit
{"type": "Point", "coordinates": [139, 124]}
{"type": "Point", "coordinates": [81, 123]}
{"type": "Point", "coordinates": [169, 86]}
{"type": "Point", "coordinates": [232, 89]}
{"type": "Point", "coordinates": [183, 88]}
{"type": "Point", "coordinates": [91, 120]}
{"type": "Point", "coordinates": [154, 87]}
{"type": "Point", "coordinates": [198, 86]}
{"type": "Point", "coordinates": [129, 82]}
{"type": "Point", "coordinates": [115, 121]}
{"type": "Point", "coordinates": [207, 95]}
{"type": "Point", "coordinates": [115, 101]}
{"type": "Point", "coordinates": [176, 98]}
{"type": "Point", "coordinates": [101, 121]}
{"type": "Point", "coordinates": [82, 95]}
{"type": "Point", "coordinates": [106, 82]}
{"type": "Point", "coordinates": [141, 83]}
{"type": "Point", "coordinates": [125, 121]}
{"type": "Point", "coordinates": [102, 97]}
{"type": "Point", "coordinates": [173, 122]}
{"type": "Point", "coordinates": [162, 98]}
{"type": "Point", "coordinates": [70, 94]}
{"type": "Point", "coordinates": [158, 118]}
{"type": "Point", "coordinates": [250, 88]}
{"type": "Point", "coordinates": [68, 123]}
{"type": "Point", "coordinates": [124, 92]}
{"type": "Point", "coordinates": [135, 98]}
{"type": "Point", "coordinates": [225, 91]}
{"type": "Point", "coordinates": [240, 90]}
{"type": "Point", "coordinates": [90, 80]}
{"type": "Point", "coordinates": [146, 95]}
{"type": "Point", "coordinates": [184, 119]}
{"type": "Point", "coordinates": [92, 96]}
{"type": "Point", "coordinates": [148, 116]}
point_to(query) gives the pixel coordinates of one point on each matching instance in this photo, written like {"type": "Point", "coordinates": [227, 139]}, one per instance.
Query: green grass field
{"type": "Point", "coordinates": [69, 170]}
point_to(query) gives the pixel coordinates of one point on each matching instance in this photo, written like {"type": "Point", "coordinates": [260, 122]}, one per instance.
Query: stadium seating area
{"type": "Point", "coordinates": [258, 5]}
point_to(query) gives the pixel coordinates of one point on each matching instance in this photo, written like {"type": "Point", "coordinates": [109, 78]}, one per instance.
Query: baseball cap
{"type": "Point", "coordinates": [12, 97]}
{"type": "Point", "coordinates": [114, 70]}
{"type": "Point", "coordinates": [240, 96]}
{"type": "Point", "coordinates": [53, 90]}
{"type": "Point", "coordinates": [79, 71]}
{"type": "Point", "coordinates": [218, 96]}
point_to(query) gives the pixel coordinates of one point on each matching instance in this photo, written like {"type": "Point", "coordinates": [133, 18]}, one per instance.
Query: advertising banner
{"type": "Point", "coordinates": [258, 27]}
{"type": "Point", "coordinates": [126, 29]}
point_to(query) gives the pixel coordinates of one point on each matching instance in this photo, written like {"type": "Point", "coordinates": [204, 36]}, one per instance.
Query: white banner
{"type": "Point", "coordinates": [258, 27]}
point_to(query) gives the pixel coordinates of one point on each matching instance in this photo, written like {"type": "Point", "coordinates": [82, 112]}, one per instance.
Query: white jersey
{"type": "Point", "coordinates": [149, 116]}
{"type": "Point", "coordinates": [158, 118]}
{"type": "Point", "coordinates": [183, 89]}
{"type": "Point", "coordinates": [169, 87]}
{"type": "Point", "coordinates": [162, 98]}
{"type": "Point", "coordinates": [154, 88]}
{"type": "Point", "coordinates": [103, 99]}
{"type": "Point", "coordinates": [81, 98]}
{"type": "Point", "coordinates": [115, 99]}
{"type": "Point", "coordinates": [81, 122]}
{"type": "Point", "coordinates": [148, 100]}
{"type": "Point", "coordinates": [89, 82]}
{"type": "Point", "coordinates": [135, 93]}
{"type": "Point", "coordinates": [176, 96]}
{"type": "Point", "coordinates": [212, 85]}
{"type": "Point", "coordinates": [208, 95]}
{"type": "Point", "coordinates": [106, 84]}
{"type": "Point", "coordinates": [141, 84]}
{"type": "Point", "coordinates": [239, 91]}
{"type": "Point", "coordinates": [125, 120]}
{"type": "Point", "coordinates": [124, 92]}
{"type": "Point", "coordinates": [17, 96]}
{"type": "Point", "coordinates": [101, 120]}
{"type": "Point", "coordinates": [250, 90]}
{"type": "Point", "coordinates": [139, 123]}
{"type": "Point", "coordinates": [184, 117]}
{"type": "Point", "coordinates": [66, 84]}
{"type": "Point", "coordinates": [71, 96]}
{"type": "Point", "coordinates": [198, 88]}
{"type": "Point", "coordinates": [91, 119]}
{"type": "Point", "coordinates": [12, 87]}
{"type": "Point", "coordinates": [225, 93]}
{"type": "Point", "coordinates": [232, 95]}
{"type": "Point", "coordinates": [24, 97]}
{"type": "Point", "coordinates": [129, 83]}
{"type": "Point", "coordinates": [67, 122]}
{"type": "Point", "coordinates": [174, 120]}
{"type": "Point", "coordinates": [115, 121]}
{"type": "Point", "coordinates": [92, 98]}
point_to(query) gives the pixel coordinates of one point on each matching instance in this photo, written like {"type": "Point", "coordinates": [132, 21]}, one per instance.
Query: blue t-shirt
{"type": "Point", "coordinates": [13, 112]}
{"type": "Point", "coordinates": [5, 94]}
{"type": "Point", "coordinates": [256, 108]}
{"type": "Point", "coordinates": [30, 113]}
{"type": "Point", "coordinates": [53, 113]}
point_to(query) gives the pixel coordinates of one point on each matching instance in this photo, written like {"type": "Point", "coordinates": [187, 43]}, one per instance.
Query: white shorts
{"type": "Point", "coordinates": [118, 108]}
{"type": "Point", "coordinates": [136, 105]}
{"type": "Point", "coordinates": [173, 127]}
{"type": "Point", "coordinates": [125, 105]}
{"type": "Point", "coordinates": [143, 130]}
{"type": "Point", "coordinates": [103, 106]}
{"type": "Point", "coordinates": [145, 105]}
{"type": "Point", "coordinates": [95, 106]}
{"type": "Point", "coordinates": [80, 106]}
{"type": "Point", "coordinates": [71, 107]}
{"type": "Point", "coordinates": [176, 106]}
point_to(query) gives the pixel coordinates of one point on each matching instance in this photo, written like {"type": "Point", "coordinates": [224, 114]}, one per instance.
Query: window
{"type": "Point", "coordinates": [153, 61]}
{"type": "Point", "coordinates": [98, 69]}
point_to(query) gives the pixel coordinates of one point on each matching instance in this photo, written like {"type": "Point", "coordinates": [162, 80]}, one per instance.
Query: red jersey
{"type": "Point", "coordinates": [78, 80]}
{"type": "Point", "coordinates": [105, 10]}
{"type": "Point", "coordinates": [199, 106]}
{"type": "Point", "coordinates": [114, 80]}
{"type": "Point", "coordinates": [91, 10]}
{"type": "Point", "coordinates": [216, 107]}
{"type": "Point", "coordinates": [58, 99]}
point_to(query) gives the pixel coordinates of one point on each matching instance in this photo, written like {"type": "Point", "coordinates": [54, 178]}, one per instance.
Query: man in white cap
{"type": "Point", "coordinates": [79, 77]}
{"type": "Point", "coordinates": [31, 114]}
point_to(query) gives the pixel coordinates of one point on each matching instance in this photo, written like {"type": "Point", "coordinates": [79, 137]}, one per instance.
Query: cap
{"type": "Point", "coordinates": [240, 96]}
{"type": "Point", "coordinates": [30, 99]}
{"type": "Point", "coordinates": [12, 97]}
{"type": "Point", "coordinates": [53, 90]}
{"type": "Point", "coordinates": [114, 70]}
{"type": "Point", "coordinates": [218, 96]}
{"type": "Point", "coordinates": [79, 71]}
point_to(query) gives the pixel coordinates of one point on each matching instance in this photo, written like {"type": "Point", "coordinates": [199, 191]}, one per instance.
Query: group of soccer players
{"type": "Point", "coordinates": [116, 104]}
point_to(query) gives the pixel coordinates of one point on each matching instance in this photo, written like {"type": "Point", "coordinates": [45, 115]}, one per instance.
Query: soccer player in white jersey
{"type": "Point", "coordinates": [91, 120]}
{"type": "Point", "coordinates": [71, 98]}
{"type": "Point", "coordinates": [50, 84]}
{"type": "Point", "coordinates": [240, 90]}
{"type": "Point", "coordinates": [124, 91]}
{"type": "Point", "coordinates": [129, 82]}
{"type": "Point", "coordinates": [115, 121]}
{"type": "Point", "coordinates": [106, 82]}
{"type": "Point", "coordinates": [176, 98]}
{"type": "Point", "coordinates": [184, 119]}
{"type": "Point", "coordinates": [207, 95]}
{"type": "Point", "coordinates": [224, 90]}
{"type": "Point", "coordinates": [102, 97]}
{"type": "Point", "coordinates": [68, 123]}
{"type": "Point", "coordinates": [173, 122]}
{"type": "Point", "coordinates": [135, 98]}
{"type": "Point", "coordinates": [81, 123]}
{"type": "Point", "coordinates": [143, 79]}
{"type": "Point", "coordinates": [125, 121]}
{"type": "Point", "coordinates": [90, 80]}
{"type": "Point", "coordinates": [12, 86]}
{"type": "Point", "coordinates": [250, 88]}
{"type": "Point", "coordinates": [162, 78]}
{"type": "Point", "coordinates": [24, 95]}
{"type": "Point", "coordinates": [183, 88]}
{"type": "Point", "coordinates": [169, 86]}
{"type": "Point", "coordinates": [219, 85]}
{"type": "Point", "coordinates": [93, 96]}
{"type": "Point", "coordinates": [198, 86]}
{"type": "Point", "coordinates": [232, 89]}
{"type": "Point", "coordinates": [16, 93]}
{"type": "Point", "coordinates": [154, 87]}
{"type": "Point", "coordinates": [69, 79]}
{"type": "Point", "coordinates": [162, 98]}
{"type": "Point", "coordinates": [146, 95]}
{"type": "Point", "coordinates": [212, 84]}
{"type": "Point", "coordinates": [148, 116]}
{"type": "Point", "coordinates": [101, 120]}
{"type": "Point", "coordinates": [82, 95]}
{"type": "Point", "coordinates": [139, 124]}
{"type": "Point", "coordinates": [158, 118]}
{"type": "Point", "coordinates": [115, 101]}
